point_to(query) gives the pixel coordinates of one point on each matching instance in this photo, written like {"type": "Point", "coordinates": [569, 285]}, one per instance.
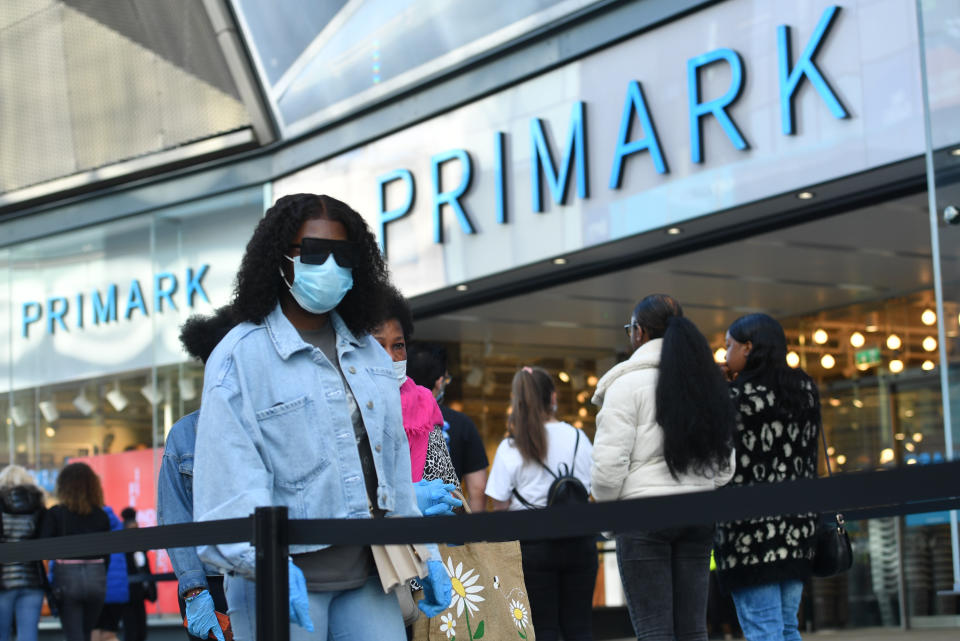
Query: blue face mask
{"type": "Point", "coordinates": [319, 288]}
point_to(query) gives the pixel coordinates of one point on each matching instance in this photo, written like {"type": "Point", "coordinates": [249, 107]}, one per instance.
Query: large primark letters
{"type": "Point", "coordinates": [635, 108]}
{"type": "Point", "coordinates": [104, 305]}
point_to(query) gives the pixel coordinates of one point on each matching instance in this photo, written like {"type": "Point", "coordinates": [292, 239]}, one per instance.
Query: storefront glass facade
{"type": "Point", "coordinates": [684, 160]}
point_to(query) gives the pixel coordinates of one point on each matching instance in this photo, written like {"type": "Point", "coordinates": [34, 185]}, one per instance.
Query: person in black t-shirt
{"type": "Point", "coordinates": [427, 366]}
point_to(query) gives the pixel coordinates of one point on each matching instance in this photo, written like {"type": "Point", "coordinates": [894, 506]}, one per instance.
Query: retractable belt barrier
{"type": "Point", "coordinates": [906, 490]}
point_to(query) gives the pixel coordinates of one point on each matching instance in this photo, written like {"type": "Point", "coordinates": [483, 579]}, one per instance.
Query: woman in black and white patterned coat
{"type": "Point", "coordinates": [763, 562]}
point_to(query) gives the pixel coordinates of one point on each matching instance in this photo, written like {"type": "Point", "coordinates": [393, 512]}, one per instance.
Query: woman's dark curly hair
{"type": "Point", "coordinates": [259, 283]}
{"type": "Point", "coordinates": [79, 489]}
{"type": "Point", "coordinates": [396, 308]}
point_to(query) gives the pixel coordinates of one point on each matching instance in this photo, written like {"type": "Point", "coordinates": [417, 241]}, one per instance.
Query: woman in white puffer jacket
{"type": "Point", "coordinates": [665, 426]}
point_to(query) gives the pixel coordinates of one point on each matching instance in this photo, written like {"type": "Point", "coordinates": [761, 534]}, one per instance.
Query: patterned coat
{"type": "Point", "coordinates": [773, 446]}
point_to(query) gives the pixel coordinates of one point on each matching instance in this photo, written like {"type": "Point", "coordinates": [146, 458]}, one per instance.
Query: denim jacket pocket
{"type": "Point", "coordinates": [295, 451]}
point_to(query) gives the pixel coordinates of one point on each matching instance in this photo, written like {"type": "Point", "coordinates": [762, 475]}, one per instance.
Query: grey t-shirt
{"type": "Point", "coordinates": [341, 567]}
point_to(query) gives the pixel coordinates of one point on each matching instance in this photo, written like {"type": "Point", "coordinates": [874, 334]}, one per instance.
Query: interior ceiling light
{"type": "Point", "coordinates": [18, 416]}
{"type": "Point", "coordinates": [841, 459]}
{"type": "Point", "coordinates": [592, 380]}
{"type": "Point", "coordinates": [805, 195]}
{"type": "Point", "coordinates": [674, 231]}
{"type": "Point", "coordinates": [117, 398]}
{"type": "Point", "coordinates": [188, 391]}
{"type": "Point", "coordinates": [834, 402]}
{"type": "Point", "coordinates": [50, 431]}
{"type": "Point", "coordinates": [827, 361]}
{"type": "Point", "coordinates": [582, 412]}
{"type": "Point", "coordinates": [49, 411]}
{"type": "Point", "coordinates": [152, 394]}
{"type": "Point", "coordinates": [820, 336]}
{"type": "Point", "coordinates": [83, 404]}
{"type": "Point", "coordinates": [563, 376]}
{"type": "Point", "coordinates": [927, 366]}
{"type": "Point", "coordinates": [462, 288]}
{"type": "Point", "coordinates": [894, 342]}
{"type": "Point", "coordinates": [910, 447]}
{"type": "Point", "coordinates": [929, 344]}
{"type": "Point", "coordinates": [793, 359]}
{"type": "Point", "coordinates": [886, 455]}
{"type": "Point", "coordinates": [720, 355]}
{"type": "Point", "coordinates": [917, 437]}
{"type": "Point", "coordinates": [857, 403]}
{"type": "Point", "coordinates": [559, 261]}
{"type": "Point", "coordinates": [928, 317]}
{"type": "Point", "coordinates": [896, 366]}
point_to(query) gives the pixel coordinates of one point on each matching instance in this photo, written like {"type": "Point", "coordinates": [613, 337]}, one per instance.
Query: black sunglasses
{"type": "Point", "coordinates": [316, 251]}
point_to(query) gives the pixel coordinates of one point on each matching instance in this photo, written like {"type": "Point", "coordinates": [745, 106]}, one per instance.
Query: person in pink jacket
{"type": "Point", "coordinates": [422, 420]}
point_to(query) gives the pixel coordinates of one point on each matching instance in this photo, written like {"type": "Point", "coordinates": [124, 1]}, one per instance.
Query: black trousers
{"type": "Point", "coordinates": [560, 576]}
{"type": "Point", "coordinates": [215, 585]}
{"type": "Point", "coordinates": [135, 621]}
{"type": "Point", "coordinates": [665, 576]}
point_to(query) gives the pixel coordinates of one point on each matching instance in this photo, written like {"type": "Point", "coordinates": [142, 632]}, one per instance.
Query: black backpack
{"type": "Point", "coordinates": [566, 488]}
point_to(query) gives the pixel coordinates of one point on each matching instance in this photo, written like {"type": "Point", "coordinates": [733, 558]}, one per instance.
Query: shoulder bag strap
{"type": "Point", "coordinates": [524, 501]}
{"type": "Point", "coordinates": [826, 457]}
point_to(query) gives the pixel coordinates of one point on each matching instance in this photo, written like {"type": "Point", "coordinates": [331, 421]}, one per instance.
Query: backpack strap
{"type": "Point", "coordinates": [525, 502]}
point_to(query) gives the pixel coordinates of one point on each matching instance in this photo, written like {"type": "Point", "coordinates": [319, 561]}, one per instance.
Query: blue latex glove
{"type": "Point", "coordinates": [437, 590]}
{"type": "Point", "coordinates": [202, 616]}
{"type": "Point", "coordinates": [299, 604]}
{"type": "Point", "coordinates": [433, 497]}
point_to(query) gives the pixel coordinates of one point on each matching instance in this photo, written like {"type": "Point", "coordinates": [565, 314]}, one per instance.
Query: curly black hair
{"type": "Point", "coordinates": [200, 334]}
{"type": "Point", "coordinates": [259, 282]}
{"type": "Point", "coordinates": [396, 308]}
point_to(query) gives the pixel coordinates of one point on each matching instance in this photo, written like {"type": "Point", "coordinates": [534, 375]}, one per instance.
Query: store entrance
{"type": "Point", "coordinates": [854, 293]}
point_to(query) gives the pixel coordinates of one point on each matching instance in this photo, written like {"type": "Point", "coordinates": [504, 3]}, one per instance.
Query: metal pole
{"type": "Point", "coordinates": [273, 601]}
{"type": "Point", "coordinates": [938, 289]}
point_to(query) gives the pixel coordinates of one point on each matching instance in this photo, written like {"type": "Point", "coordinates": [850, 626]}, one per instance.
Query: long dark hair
{"type": "Point", "coordinates": [693, 401]}
{"type": "Point", "coordinates": [259, 283]}
{"type": "Point", "coordinates": [532, 393]}
{"type": "Point", "coordinates": [767, 360]}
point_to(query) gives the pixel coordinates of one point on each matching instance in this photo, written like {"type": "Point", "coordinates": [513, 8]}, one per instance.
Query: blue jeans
{"type": "Point", "coordinates": [24, 604]}
{"type": "Point", "coordinates": [768, 612]}
{"type": "Point", "coordinates": [360, 614]}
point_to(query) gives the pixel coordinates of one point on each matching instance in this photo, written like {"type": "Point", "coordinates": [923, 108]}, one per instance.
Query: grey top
{"type": "Point", "coordinates": [341, 567]}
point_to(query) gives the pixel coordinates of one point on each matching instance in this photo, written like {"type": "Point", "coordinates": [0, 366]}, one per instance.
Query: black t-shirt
{"type": "Point", "coordinates": [464, 442]}
{"type": "Point", "coordinates": [59, 521]}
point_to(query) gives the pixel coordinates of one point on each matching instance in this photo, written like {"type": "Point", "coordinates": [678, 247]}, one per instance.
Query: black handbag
{"type": "Point", "coordinates": [832, 553]}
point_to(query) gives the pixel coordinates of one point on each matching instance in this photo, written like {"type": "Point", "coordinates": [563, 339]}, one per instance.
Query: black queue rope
{"type": "Point", "coordinates": [905, 490]}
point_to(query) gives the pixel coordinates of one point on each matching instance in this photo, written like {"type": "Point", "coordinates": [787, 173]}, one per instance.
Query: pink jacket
{"type": "Point", "coordinates": [420, 414]}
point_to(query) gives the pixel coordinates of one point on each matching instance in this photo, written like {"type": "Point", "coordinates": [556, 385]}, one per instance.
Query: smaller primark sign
{"type": "Point", "coordinates": [98, 307]}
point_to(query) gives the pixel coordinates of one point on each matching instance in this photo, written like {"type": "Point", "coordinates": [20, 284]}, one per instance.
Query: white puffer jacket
{"type": "Point", "coordinates": [628, 448]}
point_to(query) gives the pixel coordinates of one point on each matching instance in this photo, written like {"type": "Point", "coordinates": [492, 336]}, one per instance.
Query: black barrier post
{"type": "Point", "coordinates": [273, 601]}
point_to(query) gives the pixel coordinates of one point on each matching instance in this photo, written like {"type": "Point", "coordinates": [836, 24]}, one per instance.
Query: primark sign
{"type": "Point", "coordinates": [544, 168]}
{"type": "Point", "coordinates": [105, 306]}
{"type": "Point", "coordinates": [732, 104]}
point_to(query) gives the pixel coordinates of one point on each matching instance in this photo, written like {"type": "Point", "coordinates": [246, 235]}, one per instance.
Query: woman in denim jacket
{"type": "Point", "coordinates": [301, 408]}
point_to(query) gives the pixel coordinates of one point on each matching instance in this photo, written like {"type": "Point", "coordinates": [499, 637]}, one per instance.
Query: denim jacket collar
{"type": "Point", "coordinates": [287, 341]}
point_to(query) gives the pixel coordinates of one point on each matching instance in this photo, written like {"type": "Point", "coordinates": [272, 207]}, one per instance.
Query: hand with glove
{"type": "Point", "coordinates": [202, 616]}
{"type": "Point", "coordinates": [299, 604]}
{"type": "Point", "coordinates": [434, 499]}
{"type": "Point", "coordinates": [437, 590]}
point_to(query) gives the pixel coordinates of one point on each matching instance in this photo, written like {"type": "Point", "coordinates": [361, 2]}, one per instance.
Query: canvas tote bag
{"type": "Point", "coordinates": [489, 598]}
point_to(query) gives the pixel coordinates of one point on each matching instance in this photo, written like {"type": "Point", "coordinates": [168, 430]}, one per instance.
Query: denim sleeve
{"type": "Point", "coordinates": [174, 506]}
{"type": "Point", "coordinates": [230, 477]}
